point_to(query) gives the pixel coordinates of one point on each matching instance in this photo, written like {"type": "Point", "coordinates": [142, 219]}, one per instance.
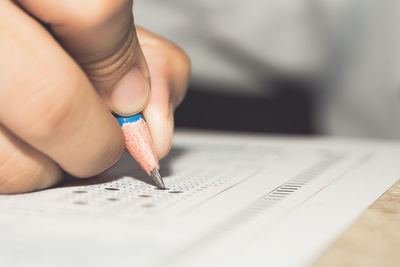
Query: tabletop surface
{"type": "Point", "coordinates": [373, 239]}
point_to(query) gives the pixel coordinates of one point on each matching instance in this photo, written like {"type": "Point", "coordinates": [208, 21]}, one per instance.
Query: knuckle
{"type": "Point", "coordinates": [183, 59]}
{"type": "Point", "coordinates": [180, 73]}
{"type": "Point", "coordinates": [183, 63]}
{"type": "Point", "coordinates": [24, 175]}
{"type": "Point", "coordinates": [176, 60]}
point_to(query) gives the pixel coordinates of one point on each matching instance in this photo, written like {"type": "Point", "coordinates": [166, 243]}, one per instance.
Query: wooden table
{"type": "Point", "coordinates": [372, 240]}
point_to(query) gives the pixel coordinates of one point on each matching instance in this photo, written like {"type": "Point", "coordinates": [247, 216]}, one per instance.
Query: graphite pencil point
{"type": "Point", "coordinates": [157, 179]}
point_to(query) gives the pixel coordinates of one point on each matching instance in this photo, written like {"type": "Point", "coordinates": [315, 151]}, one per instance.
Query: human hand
{"type": "Point", "coordinates": [51, 115]}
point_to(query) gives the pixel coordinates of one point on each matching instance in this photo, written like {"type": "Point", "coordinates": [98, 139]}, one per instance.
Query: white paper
{"type": "Point", "coordinates": [231, 201]}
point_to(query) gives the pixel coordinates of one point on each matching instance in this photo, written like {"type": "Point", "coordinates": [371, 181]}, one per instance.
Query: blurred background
{"type": "Point", "coordinates": [286, 66]}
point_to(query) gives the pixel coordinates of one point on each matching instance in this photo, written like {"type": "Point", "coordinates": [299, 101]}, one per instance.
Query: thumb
{"type": "Point", "coordinates": [101, 37]}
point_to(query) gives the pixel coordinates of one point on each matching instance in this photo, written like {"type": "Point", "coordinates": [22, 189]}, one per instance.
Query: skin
{"type": "Point", "coordinates": [57, 89]}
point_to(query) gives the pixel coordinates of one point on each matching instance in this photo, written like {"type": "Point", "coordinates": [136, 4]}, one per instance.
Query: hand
{"type": "Point", "coordinates": [51, 115]}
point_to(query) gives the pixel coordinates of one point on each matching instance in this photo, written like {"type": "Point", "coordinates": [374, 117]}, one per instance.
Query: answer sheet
{"type": "Point", "coordinates": [232, 200]}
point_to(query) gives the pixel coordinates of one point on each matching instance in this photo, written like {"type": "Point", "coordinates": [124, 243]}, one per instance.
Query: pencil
{"type": "Point", "coordinates": [139, 144]}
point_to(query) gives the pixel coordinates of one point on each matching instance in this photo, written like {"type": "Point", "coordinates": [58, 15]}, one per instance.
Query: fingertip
{"type": "Point", "coordinates": [131, 93]}
{"type": "Point", "coordinates": [164, 146]}
{"type": "Point", "coordinates": [23, 168]}
{"type": "Point", "coordinates": [163, 137]}
{"type": "Point", "coordinates": [32, 180]}
{"type": "Point", "coordinates": [161, 124]}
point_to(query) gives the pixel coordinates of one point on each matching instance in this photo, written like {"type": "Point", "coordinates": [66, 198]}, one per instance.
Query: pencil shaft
{"type": "Point", "coordinates": [139, 144]}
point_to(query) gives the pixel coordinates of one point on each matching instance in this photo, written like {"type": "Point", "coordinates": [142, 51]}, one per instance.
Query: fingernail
{"type": "Point", "coordinates": [130, 94]}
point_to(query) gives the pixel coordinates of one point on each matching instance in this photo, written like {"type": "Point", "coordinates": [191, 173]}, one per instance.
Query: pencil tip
{"type": "Point", "coordinates": [157, 178]}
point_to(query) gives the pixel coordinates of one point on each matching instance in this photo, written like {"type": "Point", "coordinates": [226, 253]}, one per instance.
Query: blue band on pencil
{"type": "Point", "coordinates": [123, 120]}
